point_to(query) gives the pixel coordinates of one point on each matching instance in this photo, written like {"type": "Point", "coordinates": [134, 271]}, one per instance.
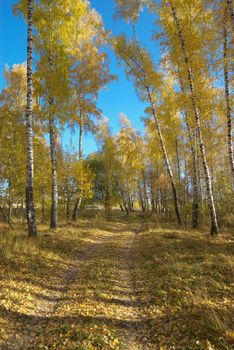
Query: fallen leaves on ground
{"type": "Point", "coordinates": [116, 285]}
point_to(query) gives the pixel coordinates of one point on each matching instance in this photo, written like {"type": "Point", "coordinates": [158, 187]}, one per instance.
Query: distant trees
{"type": "Point", "coordinates": [106, 165]}
{"type": "Point", "coordinates": [131, 152]}
{"type": "Point", "coordinates": [75, 180]}
{"type": "Point", "coordinates": [13, 141]}
{"type": "Point", "coordinates": [187, 36]}
{"type": "Point", "coordinates": [180, 167]}
{"type": "Point", "coordinates": [89, 74]}
{"type": "Point", "coordinates": [147, 80]}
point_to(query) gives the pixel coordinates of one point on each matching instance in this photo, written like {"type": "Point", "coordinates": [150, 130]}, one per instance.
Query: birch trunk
{"type": "Point", "coordinates": [152, 195]}
{"type": "Point", "coordinates": [178, 160]}
{"type": "Point", "coordinates": [80, 152]}
{"type": "Point", "coordinates": [53, 156]}
{"type": "Point", "coordinates": [214, 223]}
{"type": "Point", "coordinates": [76, 209]}
{"type": "Point", "coordinates": [125, 206]}
{"type": "Point", "coordinates": [30, 210]}
{"type": "Point", "coordinates": [142, 204]}
{"type": "Point", "coordinates": [145, 191]}
{"type": "Point", "coordinates": [166, 159]}
{"type": "Point", "coordinates": [185, 187]}
{"type": "Point", "coordinates": [130, 199]}
{"type": "Point", "coordinates": [81, 139]}
{"type": "Point", "coordinates": [227, 97]}
{"type": "Point", "coordinates": [195, 208]}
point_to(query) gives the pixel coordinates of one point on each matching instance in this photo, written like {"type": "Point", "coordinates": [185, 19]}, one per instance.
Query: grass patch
{"type": "Point", "coordinates": [188, 280]}
{"type": "Point", "coordinates": [36, 271]}
{"type": "Point", "coordinates": [183, 280]}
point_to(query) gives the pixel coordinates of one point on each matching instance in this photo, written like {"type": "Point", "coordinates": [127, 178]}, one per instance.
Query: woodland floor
{"type": "Point", "coordinates": [124, 284]}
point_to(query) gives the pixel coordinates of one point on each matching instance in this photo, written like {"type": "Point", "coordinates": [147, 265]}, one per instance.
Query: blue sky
{"type": "Point", "coordinates": [119, 95]}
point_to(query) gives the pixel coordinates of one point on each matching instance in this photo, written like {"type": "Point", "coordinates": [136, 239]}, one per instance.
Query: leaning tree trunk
{"type": "Point", "coordinates": [53, 156]}
{"type": "Point", "coordinates": [30, 210]}
{"type": "Point", "coordinates": [227, 97]}
{"type": "Point", "coordinates": [121, 207]}
{"type": "Point", "coordinates": [80, 151]}
{"type": "Point", "coordinates": [178, 160]}
{"type": "Point", "coordinates": [123, 197]}
{"type": "Point", "coordinates": [214, 223]}
{"type": "Point", "coordinates": [166, 159]}
{"type": "Point", "coordinates": [195, 207]}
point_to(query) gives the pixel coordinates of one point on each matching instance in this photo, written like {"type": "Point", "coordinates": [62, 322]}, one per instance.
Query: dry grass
{"type": "Point", "coordinates": [30, 268]}
{"type": "Point", "coordinates": [188, 279]}
{"type": "Point", "coordinates": [67, 290]}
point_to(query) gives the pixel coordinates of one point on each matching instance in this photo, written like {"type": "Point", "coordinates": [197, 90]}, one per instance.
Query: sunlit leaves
{"type": "Point", "coordinates": [129, 9]}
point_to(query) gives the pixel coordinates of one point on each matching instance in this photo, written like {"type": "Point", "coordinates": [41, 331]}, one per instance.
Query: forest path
{"type": "Point", "coordinates": [119, 284]}
{"type": "Point", "coordinates": [94, 305]}
{"type": "Point", "coordinates": [126, 291]}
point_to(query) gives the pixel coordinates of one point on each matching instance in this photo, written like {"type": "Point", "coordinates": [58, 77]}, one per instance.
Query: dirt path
{"type": "Point", "coordinates": [97, 294]}
{"type": "Point", "coordinates": [113, 285]}
{"type": "Point", "coordinates": [126, 289]}
{"type": "Point", "coordinates": [46, 307]}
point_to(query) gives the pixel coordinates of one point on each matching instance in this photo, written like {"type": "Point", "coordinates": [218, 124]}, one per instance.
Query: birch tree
{"type": "Point", "coordinates": [89, 75]}
{"type": "Point", "coordinates": [30, 210]}
{"type": "Point", "coordinates": [191, 87]}
{"type": "Point", "coordinates": [140, 68]}
{"type": "Point", "coordinates": [226, 71]}
{"type": "Point", "coordinates": [53, 43]}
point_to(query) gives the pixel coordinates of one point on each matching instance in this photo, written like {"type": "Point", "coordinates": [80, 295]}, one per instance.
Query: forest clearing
{"type": "Point", "coordinates": [116, 175]}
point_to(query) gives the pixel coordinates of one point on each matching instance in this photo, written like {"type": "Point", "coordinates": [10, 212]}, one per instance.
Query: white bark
{"type": "Point", "coordinates": [227, 97]}
{"type": "Point", "coordinates": [214, 223]}
{"type": "Point", "coordinates": [195, 209]}
{"type": "Point", "coordinates": [80, 152]}
{"type": "Point", "coordinates": [30, 210]}
{"type": "Point", "coordinates": [53, 155]}
{"type": "Point", "coordinates": [168, 167]}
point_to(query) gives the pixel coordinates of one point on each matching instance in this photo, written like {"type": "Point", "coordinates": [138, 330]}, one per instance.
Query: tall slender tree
{"type": "Point", "coordinates": [89, 74]}
{"type": "Point", "coordinates": [227, 92]}
{"type": "Point", "coordinates": [32, 228]}
{"type": "Point", "coordinates": [195, 206]}
{"type": "Point", "coordinates": [140, 67]}
{"type": "Point", "coordinates": [214, 223]}
{"type": "Point", "coordinates": [53, 44]}
{"type": "Point", "coordinates": [53, 156]}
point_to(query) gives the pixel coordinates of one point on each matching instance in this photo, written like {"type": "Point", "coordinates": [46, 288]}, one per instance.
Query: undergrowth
{"type": "Point", "coordinates": [188, 279]}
